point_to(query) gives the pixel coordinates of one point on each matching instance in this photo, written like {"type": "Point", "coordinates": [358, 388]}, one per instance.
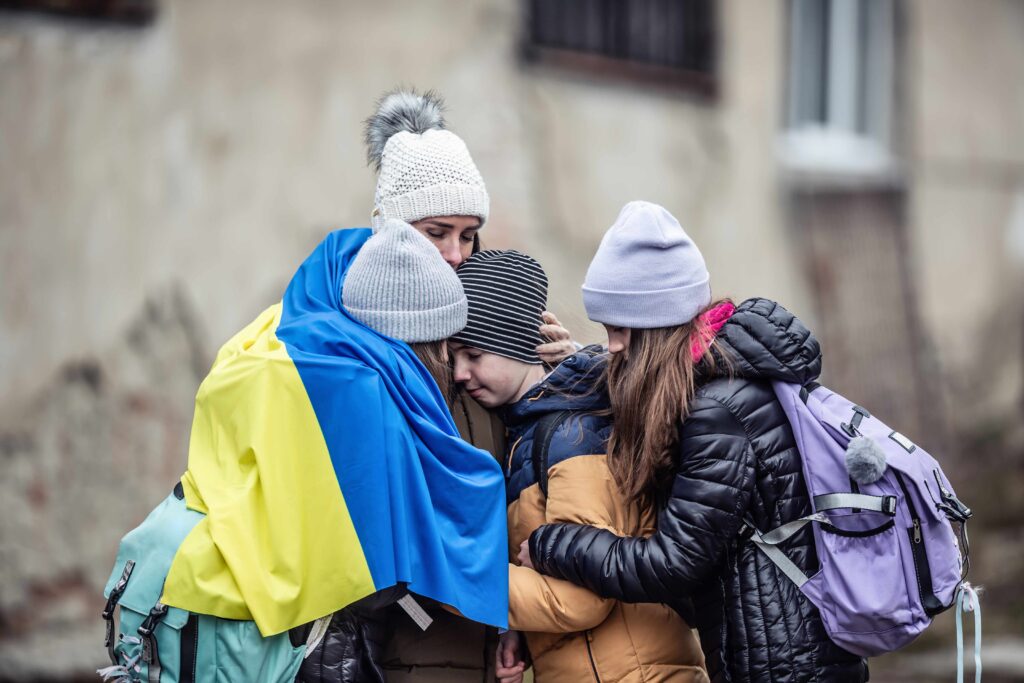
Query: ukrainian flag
{"type": "Point", "coordinates": [328, 467]}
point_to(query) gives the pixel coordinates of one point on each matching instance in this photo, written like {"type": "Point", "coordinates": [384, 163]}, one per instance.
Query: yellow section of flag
{"type": "Point", "coordinates": [277, 544]}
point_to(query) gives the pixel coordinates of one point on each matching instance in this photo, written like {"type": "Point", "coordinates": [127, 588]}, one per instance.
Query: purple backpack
{"type": "Point", "coordinates": [882, 513]}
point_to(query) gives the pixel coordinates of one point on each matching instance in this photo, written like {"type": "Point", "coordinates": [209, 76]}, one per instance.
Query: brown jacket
{"type": "Point", "coordinates": [573, 634]}
{"type": "Point", "coordinates": [453, 649]}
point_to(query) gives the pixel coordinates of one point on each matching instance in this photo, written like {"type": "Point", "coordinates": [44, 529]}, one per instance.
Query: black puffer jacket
{"type": "Point", "coordinates": [737, 459]}
{"type": "Point", "coordinates": [352, 648]}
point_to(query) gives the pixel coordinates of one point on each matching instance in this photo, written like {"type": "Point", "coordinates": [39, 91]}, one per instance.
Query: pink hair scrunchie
{"type": "Point", "coordinates": [708, 325]}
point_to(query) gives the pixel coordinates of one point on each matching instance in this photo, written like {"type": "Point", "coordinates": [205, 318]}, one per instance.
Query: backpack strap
{"type": "Point", "coordinates": [768, 542]}
{"type": "Point", "coordinates": [967, 601]}
{"type": "Point", "coordinates": [807, 389]}
{"type": "Point", "coordinates": [189, 650]}
{"type": "Point", "coordinates": [542, 434]}
{"type": "Point", "coordinates": [785, 565]}
{"type": "Point", "coordinates": [833, 501]}
{"type": "Point", "coordinates": [150, 650]}
{"type": "Point", "coordinates": [316, 634]}
{"type": "Point", "coordinates": [858, 501]}
{"type": "Point", "coordinates": [108, 612]}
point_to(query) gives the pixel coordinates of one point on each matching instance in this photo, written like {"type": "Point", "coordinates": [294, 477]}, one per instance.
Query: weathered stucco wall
{"type": "Point", "coordinates": [207, 154]}
{"type": "Point", "coordinates": [216, 147]}
{"type": "Point", "coordinates": [966, 123]}
{"type": "Point", "coordinates": [86, 458]}
{"type": "Point", "coordinates": [158, 186]}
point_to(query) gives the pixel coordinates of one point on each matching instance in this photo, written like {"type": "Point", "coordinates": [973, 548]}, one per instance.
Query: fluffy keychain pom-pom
{"type": "Point", "coordinates": [865, 460]}
{"type": "Point", "coordinates": [401, 110]}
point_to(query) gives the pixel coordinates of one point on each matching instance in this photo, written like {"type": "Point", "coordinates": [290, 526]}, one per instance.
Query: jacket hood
{"type": "Point", "coordinates": [571, 386]}
{"type": "Point", "coordinates": [764, 341]}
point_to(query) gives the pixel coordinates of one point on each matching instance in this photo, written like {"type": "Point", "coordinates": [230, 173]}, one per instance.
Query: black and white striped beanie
{"type": "Point", "coordinates": [507, 292]}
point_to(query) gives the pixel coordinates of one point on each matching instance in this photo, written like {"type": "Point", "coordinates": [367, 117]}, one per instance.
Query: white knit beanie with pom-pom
{"type": "Point", "coordinates": [423, 169]}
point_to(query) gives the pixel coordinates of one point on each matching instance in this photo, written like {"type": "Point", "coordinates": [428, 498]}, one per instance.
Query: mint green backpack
{"type": "Point", "coordinates": [154, 643]}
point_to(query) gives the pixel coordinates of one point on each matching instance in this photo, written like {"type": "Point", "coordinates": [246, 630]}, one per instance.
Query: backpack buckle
{"type": "Point", "coordinates": [889, 505]}
{"type": "Point", "coordinates": [155, 616]}
{"type": "Point", "coordinates": [951, 506]}
{"type": "Point", "coordinates": [954, 509]}
{"type": "Point", "coordinates": [149, 645]}
{"type": "Point", "coordinates": [108, 610]}
{"type": "Point", "coordinates": [118, 590]}
{"type": "Point", "coordinates": [852, 428]}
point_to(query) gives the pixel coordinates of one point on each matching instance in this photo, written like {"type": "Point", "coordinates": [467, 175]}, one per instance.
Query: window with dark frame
{"type": "Point", "coordinates": [666, 42]}
{"type": "Point", "coordinates": [130, 12]}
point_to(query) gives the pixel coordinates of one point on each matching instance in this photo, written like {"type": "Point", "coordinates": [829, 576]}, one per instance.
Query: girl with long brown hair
{"type": "Point", "coordinates": [698, 431]}
{"type": "Point", "coordinates": [650, 388]}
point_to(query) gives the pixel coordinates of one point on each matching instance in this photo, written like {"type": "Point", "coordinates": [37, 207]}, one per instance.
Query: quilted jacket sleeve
{"type": "Point", "coordinates": [709, 498]}
{"type": "Point", "coordinates": [541, 603]}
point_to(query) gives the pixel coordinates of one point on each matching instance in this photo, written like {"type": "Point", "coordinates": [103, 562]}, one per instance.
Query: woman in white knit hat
{"type": "Point", "coordinates": [427, 178]}
{"type": "Point", "coordinates": [425, 175]}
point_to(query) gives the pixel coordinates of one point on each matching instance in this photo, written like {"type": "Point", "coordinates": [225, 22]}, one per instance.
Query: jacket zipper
{"type": "Point", "coordinates": [590, 653]}
{"type": "Point", "coordinates": [919, 553]}
{"type": "Point", "coordinates": [511, 452]}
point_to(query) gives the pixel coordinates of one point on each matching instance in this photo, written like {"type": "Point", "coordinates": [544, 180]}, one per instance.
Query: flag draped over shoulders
{"type": "Point", "coordinates": [328, 467]}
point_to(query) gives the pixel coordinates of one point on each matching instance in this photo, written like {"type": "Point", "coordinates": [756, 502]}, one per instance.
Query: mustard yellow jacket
{"type": "Point", "coordinates": [574, 635]}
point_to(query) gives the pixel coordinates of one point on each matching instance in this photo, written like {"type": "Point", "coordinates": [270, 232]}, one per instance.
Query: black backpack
{"type": "Point", "coordinates": [545, 429]}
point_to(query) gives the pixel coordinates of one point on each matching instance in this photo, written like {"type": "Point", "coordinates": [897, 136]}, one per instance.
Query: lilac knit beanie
{"type": "Point", "coordinates": [647, 272]}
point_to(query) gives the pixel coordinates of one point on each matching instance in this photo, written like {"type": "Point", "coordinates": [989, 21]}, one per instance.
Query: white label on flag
{"type": "Point", "coordinates": [418, 614]}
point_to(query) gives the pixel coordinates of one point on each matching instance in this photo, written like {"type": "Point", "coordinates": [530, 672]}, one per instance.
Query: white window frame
{"type": "Point", "coordinates": [849, 85]}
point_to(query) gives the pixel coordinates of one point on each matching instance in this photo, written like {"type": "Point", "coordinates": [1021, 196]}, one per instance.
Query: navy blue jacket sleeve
{"type": "Point", "coordinates": [710, 494]}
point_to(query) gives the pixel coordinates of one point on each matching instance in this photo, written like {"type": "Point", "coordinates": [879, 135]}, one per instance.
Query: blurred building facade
{"type": "Point", "coordinates": [861, 161]}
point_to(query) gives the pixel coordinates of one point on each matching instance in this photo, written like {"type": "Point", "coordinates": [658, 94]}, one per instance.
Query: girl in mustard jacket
{"type": "Point", "coordinates": [557, 472]}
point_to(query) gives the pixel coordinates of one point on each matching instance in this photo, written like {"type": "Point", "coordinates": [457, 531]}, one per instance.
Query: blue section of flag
{"type": "Point", "coordinates": [428, 507]}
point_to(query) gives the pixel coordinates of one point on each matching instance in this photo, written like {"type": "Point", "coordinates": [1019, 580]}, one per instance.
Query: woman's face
{"type": "Point", "coordinates": [618, 338]}
{"type": "Point", "coordinates": [452, 235]}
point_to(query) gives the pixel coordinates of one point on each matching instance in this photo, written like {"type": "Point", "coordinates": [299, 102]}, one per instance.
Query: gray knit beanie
{"type": "Point", "coordinates": [400, 286]}
{"type": "Point", "coordinates": [647, 272]}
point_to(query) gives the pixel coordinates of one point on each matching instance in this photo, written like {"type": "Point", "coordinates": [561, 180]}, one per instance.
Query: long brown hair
{"type": "Point", "coordinates": [434, 356]}
{"type": "Point", "coordinates": [650, 385]}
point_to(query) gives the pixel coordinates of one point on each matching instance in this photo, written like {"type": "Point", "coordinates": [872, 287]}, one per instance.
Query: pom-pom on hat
{"type": "Point", "coordinates": [423, 169]}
